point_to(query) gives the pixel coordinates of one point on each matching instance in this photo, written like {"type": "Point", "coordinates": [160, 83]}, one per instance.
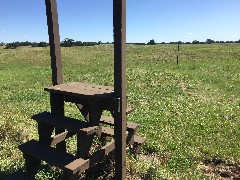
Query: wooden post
{"type": "Point", "coordinates": [120, 119]}
{"type": "Point", "coordinates": [54, 41]}
{"type": "Point", "coordinates": [178, 54]}
{"type": "Point", "coordinates": [57, 104]}
{"type": "Point", "coordinates": [57, 108]}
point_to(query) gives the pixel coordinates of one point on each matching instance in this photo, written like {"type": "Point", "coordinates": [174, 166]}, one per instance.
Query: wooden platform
{"type": "Point", "coordinates": [77, 89]}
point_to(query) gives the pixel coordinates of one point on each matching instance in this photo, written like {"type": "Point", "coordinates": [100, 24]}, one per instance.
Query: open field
{"type": "Point", "coordinates": [189, 112]}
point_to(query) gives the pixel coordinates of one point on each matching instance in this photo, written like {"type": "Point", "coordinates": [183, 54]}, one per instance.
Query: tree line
{"type": "Point", "coordinates": [70, 43]}
{"type": "Point", "coordinates": [208, 41]}
{"type": "Point", "coordinates": [66, 43]}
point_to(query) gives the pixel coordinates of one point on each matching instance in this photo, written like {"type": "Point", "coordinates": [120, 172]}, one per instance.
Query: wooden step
{"type": "Point", "coordinates": [98, 155]}
{"type": "Point", "coordinates": [108, 132]}
{"type": "Point", "coordinates": [61, 137]}
{"type": "Point", "coordinates": [110, 121]}
{"type": "Point", "coordinates": [18, 175]}
{"type": "Point", "coordinates": [138, 140]}
{"type": "Point", "coordinates": [129, 110]}
{"type": "Point", "coordinates": [62, 160]}
{"type": "Point", "coordinates": [70, 124]}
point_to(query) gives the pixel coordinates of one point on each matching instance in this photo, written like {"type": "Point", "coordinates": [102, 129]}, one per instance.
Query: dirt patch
{"type": "Point", "coordinates": [217, 168]}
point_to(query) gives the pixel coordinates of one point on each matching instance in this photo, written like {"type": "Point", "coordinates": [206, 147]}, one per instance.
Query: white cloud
{"type": "Point", "coordinates": [235, 35]}
{"type": "Point", "coordinates": [25, 37]}
{"type": "Point", "coordinates": [190, 33]}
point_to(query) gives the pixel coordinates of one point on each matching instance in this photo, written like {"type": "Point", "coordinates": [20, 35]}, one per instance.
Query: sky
{"type": "Point", "coordinates": [91, 20]}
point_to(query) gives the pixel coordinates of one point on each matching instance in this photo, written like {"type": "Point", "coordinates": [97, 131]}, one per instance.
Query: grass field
{"type": "Point", "coordinates": [189, 112]}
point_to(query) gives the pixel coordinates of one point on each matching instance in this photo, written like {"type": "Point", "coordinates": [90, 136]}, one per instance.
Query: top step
{"type": "Point", "coordinates": [77, 89]}
{"type": "Point", "coordinates": [70, 124]}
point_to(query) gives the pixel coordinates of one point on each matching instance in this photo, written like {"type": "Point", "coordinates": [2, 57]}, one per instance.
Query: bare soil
{"type": "Point", "coordinates": [217, 168]}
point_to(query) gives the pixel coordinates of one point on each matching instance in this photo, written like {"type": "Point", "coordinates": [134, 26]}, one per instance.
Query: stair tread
{"type": "Point", "coordinates": [139, 140]}
{"type": "Point", "coordinates": [65, 122]}
{"type": "Point", "coordinates": [62, 160]}
{"type": "Point", "coordinates": [110, 121]}
{"type": "Point", "coordinates": [129, 110]}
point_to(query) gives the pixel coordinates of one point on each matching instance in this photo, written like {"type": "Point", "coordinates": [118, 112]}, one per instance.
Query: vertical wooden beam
{"type": "Point", "coordinates": [120, 119]}
{"type": "Point", "coordinates": [57, 108]}
{"type": "Point", "coordinates": [54, 41]}
{"type": "Point", "coordinates": [57, 103]}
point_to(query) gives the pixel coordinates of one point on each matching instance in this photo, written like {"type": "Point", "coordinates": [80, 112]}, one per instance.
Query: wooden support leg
{"type": "Point", "coordinates": [130, 137]}
{"type": "Point", "coordinates": [136, 149]}
{"type": "Point", "coordinates": [104, 139]}
{"type": "Point", "coordinates": [84, 144]}
{"type": "Point", "coordinates": [70, 176]}
{"type": "Point", "coordinates": [32, 165]}
{"type": "Point", "coordinates": [45, 132]}
{"type": "Point", "coordinates": [57, 108]}
{"type": "Point", "coordinates": [95, 111]}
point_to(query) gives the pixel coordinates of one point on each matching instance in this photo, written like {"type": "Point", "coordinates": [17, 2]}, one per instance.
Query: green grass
{"type": "Point", "coordinates": [188, 112]}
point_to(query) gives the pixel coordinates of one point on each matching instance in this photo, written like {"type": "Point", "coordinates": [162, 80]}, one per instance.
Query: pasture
{"type": "Point", "coordinates": [189, 112]}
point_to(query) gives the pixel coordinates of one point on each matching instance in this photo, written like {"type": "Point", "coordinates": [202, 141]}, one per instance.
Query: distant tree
{"type": "Point", "coordinates": [2, 44]}
{"type": "Point", "coordinates": [42, 44]}
{"type": "Point", "coordinates": [68, 42]}
{"type": "Point", "coordinates": [195, 42]}
{"type": "Point", "coordinates": [99, 42]}
{"type": "Point", "coordinates": [78, 43]}
{"type": "Point", "coordinates": [13, 45]}
{"type": "Point", "coordinates": [221, 42]}
{"type": "Point", "coordinates": [26, 43]}
{"type": "Point", "coordinates": [151, 42]}
{"type": "Point", "coordinates": [180, 42]}
{"type": "Point", "coordinates": [187, 42]}
{"type": "Point", "coordinates": [163, 43]}
{"type": "Point", "coordinates": [210, 41]}
{"type": "Point", "coordinates": [34, 44]}
{"type": "Point", "coordinates": [89, 43]}
{"type": "Point", "coordinates": [237, 41]}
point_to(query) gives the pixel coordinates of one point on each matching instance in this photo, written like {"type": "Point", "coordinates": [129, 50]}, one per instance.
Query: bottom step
{"type": "Point", "coordinates": [62, 160]}
{"type": "Point", "coordinates": [138, 140]}
{"type": "Point", "coordinates": [18, 176]}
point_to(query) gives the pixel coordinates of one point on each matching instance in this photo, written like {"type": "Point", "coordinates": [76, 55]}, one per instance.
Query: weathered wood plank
{"type": "Point", "coordinates": [98, 155]}
{"type": "Point", "coordinates": [120, 125]}
{"type": "Point", "coordinates": [110, 121]}
{"type": "Point", "coordinates": [61, 137]}
{"type": "Point", "coordinates": [54, 41]}
{"type": "Point", "coordinates": [62, 160]}
{"type": "Point", "coordinates": [66, 123]}
{"type": "Point", "coordinates": [81, 90]}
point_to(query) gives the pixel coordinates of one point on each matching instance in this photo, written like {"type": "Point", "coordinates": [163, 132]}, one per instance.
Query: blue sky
{"type": "Point", "coordinates": [91, 20]}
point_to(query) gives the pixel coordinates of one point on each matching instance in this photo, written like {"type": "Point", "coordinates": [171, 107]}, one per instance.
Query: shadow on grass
{"type": "Point", "coordinates": [101, 170]}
